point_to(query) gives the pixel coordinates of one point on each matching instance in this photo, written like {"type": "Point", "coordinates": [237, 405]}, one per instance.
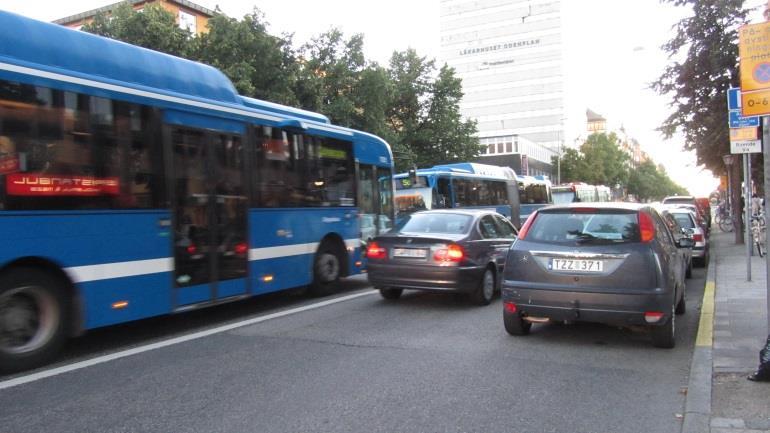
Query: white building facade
{"type": "Point", "coordinates": [510, 57]}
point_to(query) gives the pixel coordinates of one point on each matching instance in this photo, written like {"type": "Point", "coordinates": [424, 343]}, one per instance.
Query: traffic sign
{"type": "Point", "coordinates": [755, 103]}
{"type": "Point", "coordinates": [754, 50]}
{"type": "Point", "coordinates": [748, 146]}
{"type": "Point", "coordinates": [743, 134]}
{"type": "Point", "coordinates": [738, 121]}
{"type": "Point", "coordinates": [734, 98]}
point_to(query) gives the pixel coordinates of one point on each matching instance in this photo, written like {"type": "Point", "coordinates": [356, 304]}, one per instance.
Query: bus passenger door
{"type": "Point", "coordinates": [210, 249]}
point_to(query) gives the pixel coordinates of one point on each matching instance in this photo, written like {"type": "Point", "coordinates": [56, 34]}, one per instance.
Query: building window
{"type": "Point", "coordinates": [187, 22]}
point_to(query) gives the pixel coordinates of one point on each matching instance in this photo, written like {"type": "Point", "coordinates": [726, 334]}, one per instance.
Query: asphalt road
{"type": "Point", "coordinates": [424, 363]}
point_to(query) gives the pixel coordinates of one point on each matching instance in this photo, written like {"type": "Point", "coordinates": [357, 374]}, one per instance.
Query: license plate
{"type": "Point", "coordinates": [410, 252]}
{"type": "Point", "coordinates": [576, 265]}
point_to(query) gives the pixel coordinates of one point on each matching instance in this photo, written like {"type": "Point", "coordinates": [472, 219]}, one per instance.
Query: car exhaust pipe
{"type": "Point", "coordinates": [536, 319]}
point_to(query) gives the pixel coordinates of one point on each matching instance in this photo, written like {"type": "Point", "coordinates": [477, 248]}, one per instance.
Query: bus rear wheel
{"type": "Point", "coordinates": [33, 317]}
{"type": "Point", "coordinates": [327, 270]}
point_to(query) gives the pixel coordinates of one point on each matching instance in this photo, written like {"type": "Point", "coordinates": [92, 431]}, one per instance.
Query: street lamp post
{"type": "Point", "coordinates": [728, 160]}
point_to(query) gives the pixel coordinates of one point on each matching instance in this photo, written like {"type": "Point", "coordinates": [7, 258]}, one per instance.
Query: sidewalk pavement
{"type": "Point", "coordinates": [720, 399]}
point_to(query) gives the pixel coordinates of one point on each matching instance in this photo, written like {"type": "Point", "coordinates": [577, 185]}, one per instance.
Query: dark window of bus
{"type": "Point", "coordinates": [498, 193]}
{"type": "Point", "coordinates": [296, 170]}
{"type": "Point", "coordinates": [468, 192]}
{"type": "Point", "coordinates": [385, 178]}
{"type": "Point", "coordinates": [63, 151]}
{"type": "Point", "coordinates": [533, 193]}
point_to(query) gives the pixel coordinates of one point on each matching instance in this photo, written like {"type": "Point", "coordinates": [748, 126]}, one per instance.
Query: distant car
{"type": "Point", "coordinates": [614, 263]}
{"type": "Point", "coordinates": [687, 220]}
{"type": "Point", "coordinates": [449, 250]}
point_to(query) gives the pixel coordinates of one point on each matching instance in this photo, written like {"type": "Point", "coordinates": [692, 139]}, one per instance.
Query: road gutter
{"type": "Point", "coordinates": [697, 413]}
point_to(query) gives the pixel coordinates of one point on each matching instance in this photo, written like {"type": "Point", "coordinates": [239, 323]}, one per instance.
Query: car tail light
{"type": "Point", "coordinates": [375, 251]}
{"type": "Point", "coordinates": [509, 307]}
{"type": "Point", "coordinates": [452, 253]}
{"type": "Point", "coordinates": [653, 316]}
{"type": "Point", "coordinates": [527, 225]}
{"type": "Point", "coordinates": [697, 237]}
{"type": "Point", "coordinates": [241, 248]}
{"type": "Point", "coordinates": [192, 249]}
{"type": "Point", "coordinates": [646, 227]}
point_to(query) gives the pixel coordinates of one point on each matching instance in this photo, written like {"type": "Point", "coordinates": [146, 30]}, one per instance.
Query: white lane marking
{"type": "Point", "coordinates": [172, 341]}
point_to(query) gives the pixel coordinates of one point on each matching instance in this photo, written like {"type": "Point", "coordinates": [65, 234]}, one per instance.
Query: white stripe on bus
{"type": "Point", "coordinates": [153, 95]}
{"type": "Point", "coordinates": [105, 271]}
{"type": "Point", "coordinates": [172, 341]}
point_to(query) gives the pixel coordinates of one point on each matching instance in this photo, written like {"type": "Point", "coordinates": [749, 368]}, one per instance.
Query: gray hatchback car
{"type": "Point", "coordinates": [612, 263]}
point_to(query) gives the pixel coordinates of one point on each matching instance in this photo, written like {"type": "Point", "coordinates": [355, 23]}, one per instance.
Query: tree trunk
{"type": "Point", "coordinates": [735, 186]}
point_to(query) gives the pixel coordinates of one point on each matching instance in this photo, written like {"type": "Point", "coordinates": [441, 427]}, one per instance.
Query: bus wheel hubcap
{"type": "Point", "coordinates": [328, 267]}
{"type": "Point", "coordinates": [28, 319]}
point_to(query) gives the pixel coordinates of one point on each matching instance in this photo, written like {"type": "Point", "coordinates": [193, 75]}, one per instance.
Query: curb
{"type": "Point", "coordinates": [697, 408]}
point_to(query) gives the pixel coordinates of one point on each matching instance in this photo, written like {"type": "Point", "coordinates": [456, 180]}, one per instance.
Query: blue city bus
{"type": "Point", "coordinates": [135, 184]}
{"type": "Point", "coordinates": [534, 193]}
{"type": "Point", "coordinates": [460, 185]}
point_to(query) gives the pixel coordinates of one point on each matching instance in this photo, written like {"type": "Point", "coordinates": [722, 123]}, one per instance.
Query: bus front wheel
{"type": "Point", "coordinates": [32, 318]}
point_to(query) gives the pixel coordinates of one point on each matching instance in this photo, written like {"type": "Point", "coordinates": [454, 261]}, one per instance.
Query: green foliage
{"type": "Point", "coordinates": [706, 43]}
{"type": "Point", "coordinates": [153, 28]}
{"type": "Point", "coordinates": [410, 104]}
{"type": "Point", "coordinates": [424, 114]}
{"type": "Point", "coordinates": [600, 161]}
{"type": "Point", "coordinates": [259, 65]}
{"type": "Point", "coordinates": [649, 182]}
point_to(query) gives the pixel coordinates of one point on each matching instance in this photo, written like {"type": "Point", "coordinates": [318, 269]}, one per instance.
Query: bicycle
{"type": "Point", "coordinates": [724, 218]}
{"type": "Point", "coordinates": [758, 230]}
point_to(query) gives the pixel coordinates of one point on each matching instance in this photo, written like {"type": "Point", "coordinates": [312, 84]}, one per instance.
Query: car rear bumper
{"type": "Point", "coordinates": [602, 306]}
{"type": "Point", "coordinates": [438, 278]}
{"type": "Point", "coordinates": [699, 252]}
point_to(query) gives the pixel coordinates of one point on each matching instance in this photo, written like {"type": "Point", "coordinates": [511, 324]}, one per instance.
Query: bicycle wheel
{"type": "Point", "coordinates": [726, 225]}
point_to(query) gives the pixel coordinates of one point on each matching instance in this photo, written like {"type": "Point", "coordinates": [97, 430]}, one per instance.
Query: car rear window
{"type": "Point", "coordinates": [684, 220]}
{"type": "Point", "coordinates": [447, 223]}
{"type": "Point", "coordinates": [579, 227]}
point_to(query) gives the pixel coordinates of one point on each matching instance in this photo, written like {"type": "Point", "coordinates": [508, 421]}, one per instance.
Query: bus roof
{"type": "Point", "coordinates": [74, 51]}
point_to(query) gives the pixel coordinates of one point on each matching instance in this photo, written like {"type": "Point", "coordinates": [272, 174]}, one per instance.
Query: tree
{"type": "Point", "coordinates": [425, 114]}
{"type": "Point", "coordinates": [603, 160]}
{"type": "Point", "coordinates": [650, 182]}
{"type": "Point", "coordinates": [260, 65]}
{"type": "Point", "coordinates": [706, 44]}
{"type": "Point", "coordinates": [572, 165]}
{"type": "Point", "coordinates": [154, 28]}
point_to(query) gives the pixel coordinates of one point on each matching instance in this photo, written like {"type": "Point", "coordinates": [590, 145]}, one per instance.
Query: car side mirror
{"type": "Point", "coordinates": [685, 243]}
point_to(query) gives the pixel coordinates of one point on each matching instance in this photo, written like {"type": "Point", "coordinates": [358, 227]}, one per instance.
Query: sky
{"type": "Point", "coordinates": [612, 53]}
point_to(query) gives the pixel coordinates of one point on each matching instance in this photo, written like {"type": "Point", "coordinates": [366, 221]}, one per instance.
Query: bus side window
{"type": "Point", "coordinates": [442, 196]}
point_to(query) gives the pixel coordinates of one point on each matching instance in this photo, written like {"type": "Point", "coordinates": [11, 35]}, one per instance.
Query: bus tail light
{"type": "Point", "coordinates": [527, 225]}
{"type": "Point", "coordinates": [375, 251]}
{"type": "Point", "coordinates": [646, 227]}
{"type": "Point", "coordinates": [241, 248]}
{"type": "Point", "coordinates": [452, 253]}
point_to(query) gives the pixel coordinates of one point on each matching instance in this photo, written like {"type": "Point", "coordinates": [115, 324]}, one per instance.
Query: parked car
{"type": "Point", "coordinates": [700, 250]}
{"type": "Point", "coordinates": [448, 250]}
{"type": "Point", "coordinates": [678, 232]}
{"type": "Point", "coordinates": [613, 263]}
{"type": "Point", "coordinates": [702, 212]}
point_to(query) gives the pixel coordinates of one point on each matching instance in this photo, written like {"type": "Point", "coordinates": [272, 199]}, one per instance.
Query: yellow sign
{"type": "Point", "coordinates": [743, 134]}
{"type": "Point", "coordinates": [754, 51]}
{"type": "Point", "coordinates": [755, 103]}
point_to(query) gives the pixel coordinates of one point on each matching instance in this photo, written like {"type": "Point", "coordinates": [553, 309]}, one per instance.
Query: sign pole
{"type": "Point", "coordinates": [765, 147]}
{"type": "Point", "coordinates": [747, 211]}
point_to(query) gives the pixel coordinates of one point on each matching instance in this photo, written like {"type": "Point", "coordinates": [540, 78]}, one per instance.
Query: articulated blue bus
{"type": "Point", "coordinates": [460, 185]}
{"type": "Point", "coordinates": [534, 193]}
{"type": "Point", "coordinates": [135, 184]}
